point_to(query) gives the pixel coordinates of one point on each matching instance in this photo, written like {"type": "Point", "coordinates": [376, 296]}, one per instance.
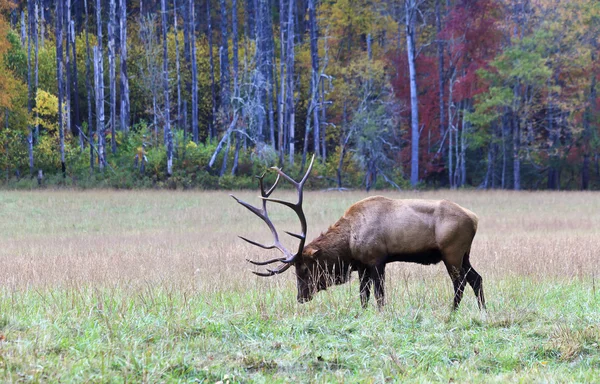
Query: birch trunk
{"type": "Point", "coordinates": [441, 82]}
{"type": "Point", "coordinates": [192, 31]}
{"type": "Point", "coordinates": [99, 69]}
{"type": "Point", "coordinates": [211, 124]}
{"type": "Point", "coordinates": [315, 78]}
{"type": "Point", "coordinates": [290, 76]}
{"type": "Point", "coordinates": [59, 77]}
{"type": "Point", "coordinates": [75, 78]}
{"type": "Point", "coordinates": [67, 69]}
{"type": "Point", "coordinates": [29, 90]}
{"type": "Point", "coordinates": [177, 66]}
{"type": "Point", "coordinates": [414, 102]}
{"type": "Point", "coordinates": [282, 79]}
{"type": "Point", "coordinates": [112, 74]}
{"type": "Point", "coordinates": [224, 59]}
{"type": "Point", "coordinates": [125, 103]}
{"type": "Point", "coordinates": [88, 86]}
{"type": "Point", "coordinates": [98, 76]}
{"type": "Point", "coordinates": [37, 78]}
{"type": "Point", "coordinates": [167, 122]}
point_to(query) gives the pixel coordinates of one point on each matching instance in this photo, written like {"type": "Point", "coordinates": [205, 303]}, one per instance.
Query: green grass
{"type": "Point", "coordinates": [154, 294]}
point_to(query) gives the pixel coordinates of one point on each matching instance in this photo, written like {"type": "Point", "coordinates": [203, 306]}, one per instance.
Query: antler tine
{"type": "Point", "coordinates": [297, 207]}
{"type": "Point", "coordinates": [263, 214]}
{"type": "Point", "coordinates": [282, 268]}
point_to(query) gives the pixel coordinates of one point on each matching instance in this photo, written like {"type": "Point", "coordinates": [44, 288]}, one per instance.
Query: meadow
{"type": "Point", "coordinates": [153, 286]}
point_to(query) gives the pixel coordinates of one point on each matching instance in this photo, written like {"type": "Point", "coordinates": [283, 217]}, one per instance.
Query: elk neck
{"type": "Point", "coordinates": [335, 242]}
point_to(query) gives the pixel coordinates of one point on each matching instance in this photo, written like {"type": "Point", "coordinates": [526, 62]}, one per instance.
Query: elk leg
{"type": "Point", "coordinates": [365, 286]}
{"type": "Point", "coordinates": [458, 280]}
{"type": "Point", "coordinates": [475, 281]}
{"type": "Point", "coordinates": [378, 277]}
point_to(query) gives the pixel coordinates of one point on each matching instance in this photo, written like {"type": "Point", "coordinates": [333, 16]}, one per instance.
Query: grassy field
{"type": "Point", "coordinates": [153, 287]}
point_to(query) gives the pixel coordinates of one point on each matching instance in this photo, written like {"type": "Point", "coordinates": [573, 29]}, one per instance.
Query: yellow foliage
{"type": "Point", "coordinates": [46, 109]}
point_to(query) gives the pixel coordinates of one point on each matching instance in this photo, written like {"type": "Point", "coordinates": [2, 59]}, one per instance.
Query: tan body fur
{"type": "Point", "coordinates": [378, 230]}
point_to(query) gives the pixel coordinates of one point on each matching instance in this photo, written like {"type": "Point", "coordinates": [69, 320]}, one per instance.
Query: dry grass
{"type": "Point", "coordinates": [189, 239]}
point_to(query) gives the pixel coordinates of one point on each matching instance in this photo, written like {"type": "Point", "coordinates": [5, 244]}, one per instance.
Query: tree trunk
{"type": "Point", "coordinates": [88, 86]}
{"type": "Point", "coordinates": [192, 32]}
{"type": "Point", "coordinates": [67, 68]}
{"type": "Point", "coordinates": [282, 78]}
{"type": "Point", "coordinates": [59, 77]}
{"type": "Point", "coordinates": [322, 122]}
{"type": "Point", "coordinates": [234, 38]}
{"type": "Point", "coordinates": [224, 58]}
{"type": "Point", "coordinates": [125, 103]}
{"type": "Point", "coordinates": [177, 67]}
{"type": "Point", "coordinates": [291, 107]}
{"type": "Point", "coordinates": [315, 78]}
{"type": "Point", "coordinates": [112, 73]}
{"type": "Point", "coordinates": [29, 86]}
{"type": "Point", "coordinates": [74, 77]}
{"type": "Point", "coordinates": [414, 102]}
{"type": "Point", "coordinates": [211, 124]}
{"type": "Point", "coordinates": [99, 69]}
{"type": "Point", "coordinates": [98, 77]}
{"type": "Point", "coordinates": [37, 82]}
{"type": "Point", "coordinates": [450, 129]}
{"type": "Point", "coordinates": [167, 122]}
{"type": "Point", "coordinates": [441, 82]}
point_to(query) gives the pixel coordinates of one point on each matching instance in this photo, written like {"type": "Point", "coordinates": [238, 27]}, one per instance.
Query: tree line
{"type": "Point", "coordinates": [386, 94]}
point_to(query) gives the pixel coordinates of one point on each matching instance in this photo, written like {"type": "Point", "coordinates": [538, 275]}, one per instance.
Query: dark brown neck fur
{"type": "Point", "coordinates": [335, 243]}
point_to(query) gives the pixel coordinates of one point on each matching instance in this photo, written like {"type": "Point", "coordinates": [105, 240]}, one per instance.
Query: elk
{"type": "Point", "coordinates": [371, 233]}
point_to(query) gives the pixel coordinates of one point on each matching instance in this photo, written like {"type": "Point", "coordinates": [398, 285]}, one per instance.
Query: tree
{"type": "Point", "coordinates": [125, 103]}
{"type": "Point", "coordinates": [167, 122]}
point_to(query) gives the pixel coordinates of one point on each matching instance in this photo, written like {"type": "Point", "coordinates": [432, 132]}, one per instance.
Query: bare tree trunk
{"type": "Point", "coordinates": [67, 68]}
{"type": "Point", "coordinates": [322, 122]}
{"type": "Point", "coordinates": [99, 83]}
{"type": "Point", "coordinates": [59, 77]}
{"type": "Point", "coordinates": [450, 130]}
{"type": "Point", "coordinates": [88, 86]}
{"type": "Point", "coordinates": [441, 83]}
{"type": "Point", "coordinates": [29, 85]}
{"type": "Point", "coordinates": [42, 25]}
{"type": "Point", "coordinates": [98, 70]}
{"type": "Point", "coordinates": [23, 29]}
{"type": "Point", "coordinates": [74, 77]}
{"type": "Point", "coordinates": [125, 103]}
{"type": "Point", "coordinates": [192, 31]}
{"type": "Point", "coordinates": [211, 124]}
{"type": "Point", "coordinates": [414, 102]}
{"type": "Point", "coordinates": [167, 122]}
{"type": "Point", "coordinates": [282, 78]}
{"type": "Point", "coordinates": [315, 78]}
{"type": "Point", "coordinates": [290, 76]}
{"type": "Point", "coordinates": [177, 67]}
{"type": "Point", "coordinates": [112, 69]}
{"type": "Point", "coordinates": [37, 82]}
{"type": "Point", "coordinates": [224, 58]}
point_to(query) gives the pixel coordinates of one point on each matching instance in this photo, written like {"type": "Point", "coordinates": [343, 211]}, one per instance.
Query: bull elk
{"type": "Point", "coordinates": [370, 234]}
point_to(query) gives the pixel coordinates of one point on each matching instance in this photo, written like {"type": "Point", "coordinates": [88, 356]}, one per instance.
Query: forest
{"type": "Point", "coordinates": [488, 94]}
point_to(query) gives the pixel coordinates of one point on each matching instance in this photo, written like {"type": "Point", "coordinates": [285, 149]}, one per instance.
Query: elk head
{"type": "Point", "coordinates": [312, 272]}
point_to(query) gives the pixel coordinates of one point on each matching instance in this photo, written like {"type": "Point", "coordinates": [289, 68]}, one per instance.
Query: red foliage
{"type": "Point", "coordinates": [473, 40]}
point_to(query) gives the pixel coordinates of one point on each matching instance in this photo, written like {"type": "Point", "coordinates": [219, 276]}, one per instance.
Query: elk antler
{"type": "Point", "coordinates": [262, 213]}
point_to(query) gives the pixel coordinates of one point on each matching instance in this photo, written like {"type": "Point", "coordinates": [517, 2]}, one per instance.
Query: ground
{"type": "Point", "coordinates": [153, 286]}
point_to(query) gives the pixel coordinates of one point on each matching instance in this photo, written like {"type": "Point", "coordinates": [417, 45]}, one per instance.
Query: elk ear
{"type": "Point", "coordinates": [311, 252]}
